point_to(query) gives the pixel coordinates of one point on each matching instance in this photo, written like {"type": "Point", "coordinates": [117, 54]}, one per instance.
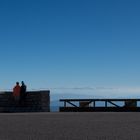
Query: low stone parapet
{"type": "Point", "coordinates": [36, 101]}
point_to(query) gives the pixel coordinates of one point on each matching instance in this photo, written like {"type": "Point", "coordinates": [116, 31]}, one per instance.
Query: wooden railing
{"type": "Point", "coordinates": [99, 105]}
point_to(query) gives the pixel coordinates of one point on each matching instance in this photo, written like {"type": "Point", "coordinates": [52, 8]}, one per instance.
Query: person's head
{"type": "Point", "coordinates": [22, 82]}
{"type": "Point", "coordinates": [17, 83]}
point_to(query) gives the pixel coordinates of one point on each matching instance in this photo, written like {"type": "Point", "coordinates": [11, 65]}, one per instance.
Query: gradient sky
{"type": "Point", "coordinates": [70, 43]}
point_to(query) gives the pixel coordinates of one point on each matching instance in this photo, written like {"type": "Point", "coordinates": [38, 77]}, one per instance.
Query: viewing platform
{"type": "Point", "coordinates": [100, 105]}
{"type": "Point", "coordinates": [35, 101]}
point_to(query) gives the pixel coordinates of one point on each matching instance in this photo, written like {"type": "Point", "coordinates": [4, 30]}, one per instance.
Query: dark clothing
{"type": "Point", "coordinates": [23, 93]}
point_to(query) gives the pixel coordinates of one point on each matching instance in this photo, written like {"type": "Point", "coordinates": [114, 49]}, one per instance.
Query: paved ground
{"type": "Point", "coordinates": [70, 126]}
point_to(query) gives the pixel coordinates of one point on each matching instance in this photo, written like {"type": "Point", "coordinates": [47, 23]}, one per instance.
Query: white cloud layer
{"type": "Point", "coordinates": [100, 91]}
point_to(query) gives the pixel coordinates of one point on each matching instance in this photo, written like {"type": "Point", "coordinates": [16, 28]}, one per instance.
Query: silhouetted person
{"type": "Point", "coordinates": [16, 91]}
{"type": "Point", "coordinates": [23, 93]}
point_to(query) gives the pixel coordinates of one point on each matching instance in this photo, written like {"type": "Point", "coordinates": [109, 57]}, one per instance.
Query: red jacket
{"type": "Point", "coordinates": [16, 90]}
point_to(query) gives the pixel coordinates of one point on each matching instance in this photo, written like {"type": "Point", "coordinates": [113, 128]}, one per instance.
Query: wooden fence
{"type": "Point", "coordinates": [99, 105]}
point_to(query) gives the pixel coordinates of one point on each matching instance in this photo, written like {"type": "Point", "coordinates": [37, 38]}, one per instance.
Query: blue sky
{"type": "Point", "coordinates": [70, 43]}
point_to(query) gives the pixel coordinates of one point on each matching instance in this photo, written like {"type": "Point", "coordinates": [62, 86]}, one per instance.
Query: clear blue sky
{"type": "Point", "coordinates": [70, 43]}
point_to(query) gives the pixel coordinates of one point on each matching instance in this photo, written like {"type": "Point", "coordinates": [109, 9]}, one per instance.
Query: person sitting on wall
{"type": "Point", "coordinates": [23, 92]}
{"type": "Point", "coordinates": [16, 91]}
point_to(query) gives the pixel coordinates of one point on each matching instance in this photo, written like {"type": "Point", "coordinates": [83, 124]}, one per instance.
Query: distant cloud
{"type": "Point", "coordinates": [100, 90]}
{"type": "Point", "coordinates": [83, 88]}
{"type": "Point", "coordinates": [129, 90]}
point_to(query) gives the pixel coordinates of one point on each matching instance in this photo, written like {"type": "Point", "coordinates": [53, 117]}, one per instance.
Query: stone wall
{"type": "Point", "coordinates": [36, 101]}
